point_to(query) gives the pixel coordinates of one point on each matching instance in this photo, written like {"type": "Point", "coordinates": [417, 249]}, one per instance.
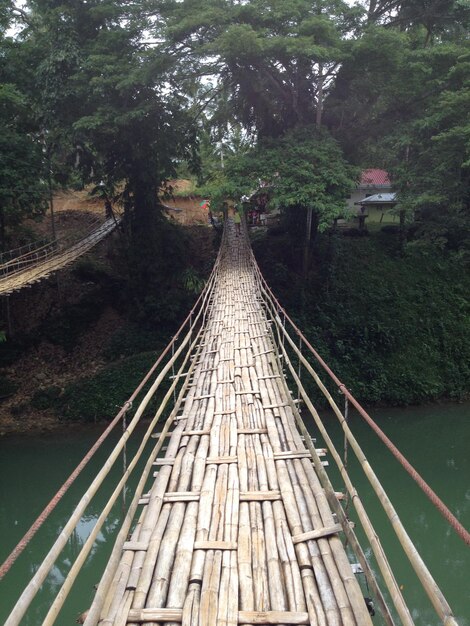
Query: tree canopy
{"type": "Point", "coordinates": [302, 169]}
{"type": "Point", "coordinates": [129, 93]}
{"type": "Point", "coordinates": [22, 185]}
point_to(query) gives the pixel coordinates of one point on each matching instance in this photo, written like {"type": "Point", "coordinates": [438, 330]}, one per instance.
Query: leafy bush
{"type": "Point", "coordinates": [99, 397]}
{"type": "Point", "coordinates": [89, 269]}
{"type": "Point", "coordinates": [45, 398]}
{"type": "Point", "coordinates": [191, 281]}
{"type": "Point", "coordinates": [133, 339]}
{"type": "Point", "coordinates": [66, 328]}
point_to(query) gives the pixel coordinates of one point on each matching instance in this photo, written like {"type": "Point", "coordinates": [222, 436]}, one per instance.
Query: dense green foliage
{"type": "Point", "coordinates": [303, 168]}
{"type": "Point", "coordinates": [404, 106]}
{"type": "Point", "coordinates": [395, 328]}
{"type": "Point", "coordinates": [124, 354]}
{"type": "Point", "coordinates": [276, 60]}
{"type": "Point", "coordinates": [22, 190]}
{"type": "Point", "coordinates": [97, 398]}
{"type": "Point", "coordinates": [100, 106]}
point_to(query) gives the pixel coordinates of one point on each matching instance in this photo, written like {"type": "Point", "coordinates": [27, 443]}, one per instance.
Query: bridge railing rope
{"type": "Point", "coordinates": [279, 317]}
{"type": "Point", "coordinates": [179, 351]}
{"type": "Point", "coordinates": [13, 253]}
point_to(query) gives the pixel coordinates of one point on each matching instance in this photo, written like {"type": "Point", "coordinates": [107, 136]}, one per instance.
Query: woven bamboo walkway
{"type": "Point", "coordinates": [236, 528]}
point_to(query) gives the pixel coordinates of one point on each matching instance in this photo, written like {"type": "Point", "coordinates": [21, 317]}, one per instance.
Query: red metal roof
{"type": "Point", "coordinates": [375, 177]}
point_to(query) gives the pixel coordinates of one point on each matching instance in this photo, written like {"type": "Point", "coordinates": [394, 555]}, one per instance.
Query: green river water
{"type": "Point", "coordinates": [435, 439]}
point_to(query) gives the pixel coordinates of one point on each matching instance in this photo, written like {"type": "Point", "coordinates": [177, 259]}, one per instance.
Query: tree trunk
{"type": "Point", "coordinates": [371, 11]}
{"type": "Point", "coordinates": [51, 196]}
{"type": "Point", "coordinates": [402, 230]}
{"type": "Point", "coordinates": [308, 237]}
{"type": "Point", "coordinates": [320, 96]}
{"type": "Point", "coordinates": [9, 324]}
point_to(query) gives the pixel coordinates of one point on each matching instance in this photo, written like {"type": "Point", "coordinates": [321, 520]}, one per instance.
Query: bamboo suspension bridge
{"type": "Point", "coordinates": [37, 263]}
{"type": "Point", "coordinates": [238, 522]}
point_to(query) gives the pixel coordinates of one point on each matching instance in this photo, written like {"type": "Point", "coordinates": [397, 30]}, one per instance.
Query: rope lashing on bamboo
{"type": "Point", "coordinates": [462, 532]}
{"type": "Point", "coordinates": [42, 517]}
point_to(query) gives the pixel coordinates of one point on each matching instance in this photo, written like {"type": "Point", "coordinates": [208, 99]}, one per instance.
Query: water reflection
{"type": "Point", "coordinates": [28, 479]}
{"type": "Point", "coordinates": [425, 435]}
{"type": "Point", "coordinates": [23, 495]}
{"type": "Point", "coordinates": [82, 595]}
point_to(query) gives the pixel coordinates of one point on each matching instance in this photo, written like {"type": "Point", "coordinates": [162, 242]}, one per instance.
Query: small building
{"type": "Point", "coordinates": [375, 185]}
{"type": "Point", "coordinates": [375, 207]}
{"type": "Point", "coordinates": [373, 181]}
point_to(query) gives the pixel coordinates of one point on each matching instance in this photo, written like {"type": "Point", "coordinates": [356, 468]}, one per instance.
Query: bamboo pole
{"type": "Point", "coordinates": [61, 596]}
{"type": "Point", "coordinates": [114, 559]}
{"type": "Point", "coordinates": [370, 532]}
{"type": "Point", "coordinates": [237, 526]}
{"type": "Point", "coordinates": [434, 593]}
{"type": "Point", "coordinates": [420, 568]}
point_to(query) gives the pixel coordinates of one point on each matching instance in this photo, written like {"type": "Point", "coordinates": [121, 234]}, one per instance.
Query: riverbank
{"type": "Point", "coordinates": [394, 325]}
{"type": "Point", "coordinates": [80, 345]}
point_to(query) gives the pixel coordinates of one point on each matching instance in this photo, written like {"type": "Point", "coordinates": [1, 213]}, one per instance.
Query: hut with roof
{"type": "Point", "coordinates": [373, 199]}
{"type": "Point", "coordinates": [372, 182]}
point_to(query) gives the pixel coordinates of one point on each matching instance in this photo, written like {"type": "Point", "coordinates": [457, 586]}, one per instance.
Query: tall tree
{"type": "Point", "coordinates": [403, 104]}
{"type": "Point", "coordinates": [104, 106]}
{"type": "Point", "coordinates": [304, 174]}
{"type": "Point", "coordinates": [22, 188]}
{"type": "Point", "coordinates": [277, 60]}
{"type": "Point", "coordinates": [433, 175]}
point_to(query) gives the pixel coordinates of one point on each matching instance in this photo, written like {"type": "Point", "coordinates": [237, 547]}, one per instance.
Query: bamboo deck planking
{"type": "Point", "coordinates": [235, 528]}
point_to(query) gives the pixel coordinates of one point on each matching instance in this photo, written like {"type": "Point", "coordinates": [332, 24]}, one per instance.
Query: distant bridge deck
{"type": "Point", "coordinates": [36, 266]}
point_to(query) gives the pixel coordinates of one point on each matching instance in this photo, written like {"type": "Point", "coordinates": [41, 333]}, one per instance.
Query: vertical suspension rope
{"type": "Point", "coordinates": [345, 458]}
{"type": "Point", "coordinates": [124, 460]}
{"type": "Point", "coordinates": [284, 326]}
{"type": "Point", "coordinates": [299, 371]}
{"type": "Point", "coordinates": [173, 368]}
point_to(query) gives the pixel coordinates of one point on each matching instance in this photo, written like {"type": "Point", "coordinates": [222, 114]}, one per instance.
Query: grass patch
{"type": "Point", "coordinates": [99, 397]}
